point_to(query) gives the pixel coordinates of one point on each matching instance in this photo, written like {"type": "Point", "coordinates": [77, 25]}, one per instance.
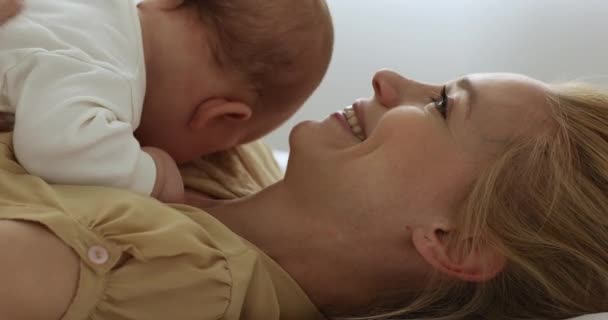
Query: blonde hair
{"type": "Point", "coordinates": [543, 204]}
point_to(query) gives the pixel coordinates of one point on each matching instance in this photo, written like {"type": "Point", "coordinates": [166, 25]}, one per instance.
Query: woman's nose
{"type": "Point", "coordinates": [392, 90]}
{"type": "Point", "coordinates": [386, 88]}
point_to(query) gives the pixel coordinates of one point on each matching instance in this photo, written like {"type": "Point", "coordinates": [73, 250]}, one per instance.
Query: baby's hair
{"type": "Point", "coordinates": [266, 41]}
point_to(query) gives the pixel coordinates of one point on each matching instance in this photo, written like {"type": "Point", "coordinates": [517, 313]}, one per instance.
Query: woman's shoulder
{"type": "Point", "coordinates": [37, 269]}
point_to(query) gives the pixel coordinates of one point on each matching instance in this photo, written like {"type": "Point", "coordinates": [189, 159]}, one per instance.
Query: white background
{"type": "Point", "coordinates": [437, 40]}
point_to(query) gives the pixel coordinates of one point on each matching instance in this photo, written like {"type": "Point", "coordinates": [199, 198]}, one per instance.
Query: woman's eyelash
{"type": "Point", "coordinates": [441, 103]}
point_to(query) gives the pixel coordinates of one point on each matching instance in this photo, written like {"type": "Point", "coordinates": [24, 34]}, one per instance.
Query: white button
{"type": "Point", "coordinates": [98, 255]}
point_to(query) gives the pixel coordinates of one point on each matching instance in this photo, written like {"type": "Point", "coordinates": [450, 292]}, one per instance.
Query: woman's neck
{"type": "Point", "coordinates": [338, 269]}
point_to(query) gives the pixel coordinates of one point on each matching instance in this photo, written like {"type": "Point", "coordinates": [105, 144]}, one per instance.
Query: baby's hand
{"type": "Point", "coordinates": [169, 186]}
{"type": "Point", "coordinates": [9, 8]}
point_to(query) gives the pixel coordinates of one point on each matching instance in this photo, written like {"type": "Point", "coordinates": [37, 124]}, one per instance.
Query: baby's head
{"type": "Point", "coordinates": [262, 60]}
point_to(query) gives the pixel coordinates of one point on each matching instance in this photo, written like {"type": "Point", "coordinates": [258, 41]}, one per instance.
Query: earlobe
{"type": "Point", "coordinates": [218, 111]}
{"type": "Point", "coordinates": [471, 261]}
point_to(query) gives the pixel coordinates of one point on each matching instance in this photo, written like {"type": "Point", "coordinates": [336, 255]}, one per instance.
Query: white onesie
{"type": "Point", "coordinates": [73, 73]}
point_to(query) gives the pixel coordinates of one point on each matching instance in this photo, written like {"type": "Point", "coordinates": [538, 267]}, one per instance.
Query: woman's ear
{"type": "Point", "coordinates": [219, 111]}
{"type": "Point", "coordinates": [472, 260]}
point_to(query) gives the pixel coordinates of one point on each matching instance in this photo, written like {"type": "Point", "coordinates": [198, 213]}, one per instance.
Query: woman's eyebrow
{"type": "Point", "coordinates": [466, 85]}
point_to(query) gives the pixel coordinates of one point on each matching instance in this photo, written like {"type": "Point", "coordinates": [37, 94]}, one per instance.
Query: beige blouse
{"type": "Point", "coordinates": [143, 260]}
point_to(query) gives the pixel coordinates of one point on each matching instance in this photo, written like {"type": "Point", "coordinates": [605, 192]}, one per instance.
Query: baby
{"type": "Point", "coordinates": [91, 82]}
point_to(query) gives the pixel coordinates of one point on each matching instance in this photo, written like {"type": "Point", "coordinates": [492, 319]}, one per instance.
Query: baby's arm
{"type": "Point", "coordinates": [9, 8]}
{"type": "Point", "coordinates": [74, 125]}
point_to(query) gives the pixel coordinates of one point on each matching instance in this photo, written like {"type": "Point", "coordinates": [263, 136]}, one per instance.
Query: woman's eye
{"type": "Point", "coordinates": [441, 103]}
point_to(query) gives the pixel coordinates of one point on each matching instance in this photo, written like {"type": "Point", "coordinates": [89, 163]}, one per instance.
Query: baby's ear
{"type": "Point", "coordinates": [224, 123]}
{"type": "Point", "coordinates": [214, 112]}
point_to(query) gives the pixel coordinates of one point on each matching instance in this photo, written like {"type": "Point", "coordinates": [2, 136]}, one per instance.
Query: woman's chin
{"type": "Point", "coordinates": [301, 133]}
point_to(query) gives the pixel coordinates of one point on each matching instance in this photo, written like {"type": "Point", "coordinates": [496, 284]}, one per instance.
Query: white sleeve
{"type": "Point", "coordinates": [73, 124]}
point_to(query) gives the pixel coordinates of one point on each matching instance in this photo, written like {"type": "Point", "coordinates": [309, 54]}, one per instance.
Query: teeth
{"type": "Point", "coordinates": [351, 117]}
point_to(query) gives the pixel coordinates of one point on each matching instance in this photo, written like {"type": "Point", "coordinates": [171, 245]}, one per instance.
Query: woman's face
{"type": "Point", "coordinates": [423, 145]}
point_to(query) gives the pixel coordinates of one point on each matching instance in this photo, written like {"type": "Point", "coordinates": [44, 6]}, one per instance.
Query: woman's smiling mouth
{"type": "Point", "coordinates": [353, 122]}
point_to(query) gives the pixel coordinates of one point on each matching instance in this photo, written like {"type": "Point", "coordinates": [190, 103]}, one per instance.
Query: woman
{"type": "Point", "coordinates": [482, 198]}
